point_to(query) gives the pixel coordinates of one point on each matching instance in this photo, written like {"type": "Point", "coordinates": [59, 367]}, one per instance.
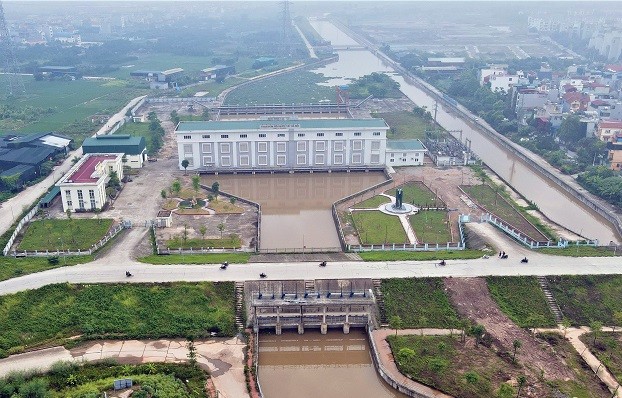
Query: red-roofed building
{"type": "Point", "coordinates": [83, 187]}
{"type": "Point", "coordinates": [608, 129]}
{"type": "Point", "coordinates": [575, 102]}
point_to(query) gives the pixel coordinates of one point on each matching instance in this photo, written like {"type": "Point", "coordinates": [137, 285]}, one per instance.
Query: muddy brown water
{"type": "Point", "coordinates": [311, 365]}
{"type": "Point", "coordinates": [296, 208]}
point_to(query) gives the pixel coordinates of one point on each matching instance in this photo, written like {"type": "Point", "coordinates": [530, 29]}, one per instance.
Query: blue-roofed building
{"type": "Point", "coordinates": [296, 144]}
{"type": "Point", "coordinates": [405, 153]}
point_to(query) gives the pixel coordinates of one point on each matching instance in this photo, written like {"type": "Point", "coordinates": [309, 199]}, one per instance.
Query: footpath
{"type": "Point", "coordinates": [223, 357]}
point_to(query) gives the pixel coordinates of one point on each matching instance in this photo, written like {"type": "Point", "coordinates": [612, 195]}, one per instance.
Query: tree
{"type": "Point", "coordinates": [478, 332]}
{"type": "Point", "coordinates": [571, 130]}
{"type": "Point", "coordinates": [184, 236]}
{"type": "Point", "coordinates": [68, 212]}
{"type": "Point", "coordinates": [232, 200]}
{"type": "Point", "coordinates": [113, 181]}
{"type": "Point", "coordinates": [163, 193]}
{"type": "Point", "coordinates": [516, 344]}
{"type": "Point", "coordinates": [192, 352]}
{"type": "Point", "coordinates": [221, 228]}
{"type": "Point", "coordinates": [216, 188]}
{"type": "Point", "coordinates": [185, 163]}
{"type": "Point", "coordinates": [203, 231]}
{"type": "Point", "coordinates": [565, 325]}
{"type": "Point", "coordinates": [521, 383]}
{"type": "Point", "coordinates": [176, 187]}
{"type": "Point", "coordinates": [196, 181]}
{"type": "Point", "coordinates": [463, 324]}
{"type": "Point", "coordinates": [505, 391]}
{"type": "Point", "coordinates": [396, 323]}
{"type": "Point", "coordinates": [596, 327]}
{"type": "Point", "coordinates": [175, 117]}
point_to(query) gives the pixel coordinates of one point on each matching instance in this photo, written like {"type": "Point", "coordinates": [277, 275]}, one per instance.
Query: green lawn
{"type": "Point", "coordinates": [137, 130]}
{"type": "Point", "coordinates": [579, 251]}
{"type": "Point", "coordinates": [608, 349]}
{"type": "Point", "coordinates": [11, 267]}
{"type": "Point", "coordinates": [73, 380]}
{"type": "Point", "coordinates": [588, 298]}
{"type": "Point", "coordinates": [521, 299]}
{"type": "Point", "coordinates": [376, 228]}
{"type": "Point", "coordinates": [419, 302]}
{"type": "Point", "coordinates": [211, 258]}
{"type": "Point", "coordinates": [63, 234]}
{"type": "Point", "coordinates": [431, 226]}
{"type": "Point", "coordinates": [417, 193]}
{"type": "Point", "coordinates": [55, 312]}
{"type": "Point", "coordinates": [406, 125]}
{"type": "Point", "coordinates": [372, 203]}
{"type": "Point", "coordinates": [485, 196]}
{"type": "Point", "coordinates": [398, 255]}
{"type": "Point", "coordinates": [229, 242]}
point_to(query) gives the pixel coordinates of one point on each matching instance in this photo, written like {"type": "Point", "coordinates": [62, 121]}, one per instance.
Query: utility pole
{"type": "Point", "coordinates": [15, 84]}
{"type": "Point", "coordinates": [435, 109]}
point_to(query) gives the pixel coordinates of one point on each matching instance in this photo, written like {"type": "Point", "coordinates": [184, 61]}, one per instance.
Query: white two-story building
{"type": "Point", "coordinates": [304, 144]}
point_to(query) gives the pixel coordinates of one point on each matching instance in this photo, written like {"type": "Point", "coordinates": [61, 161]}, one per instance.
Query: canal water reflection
{"type": "Point", "coordinates": [555, 203]}
{"type": "Point", "coordinates": [296, 208]}
{"type": "Point", "coordinates": [313, 365]}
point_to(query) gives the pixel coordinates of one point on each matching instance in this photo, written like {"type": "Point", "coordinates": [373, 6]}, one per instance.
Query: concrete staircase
{"type": "Point", "coordinates": [239, 305]}
{"type": "Point", "coordinates": [380, 302]}
{"type": "Point", "coordinates": [557, 312]}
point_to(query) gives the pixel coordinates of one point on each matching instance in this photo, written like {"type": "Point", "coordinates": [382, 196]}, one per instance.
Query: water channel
{"type": "Point", "coordinates": [296, 208]}
{"type": "Point", "coordinates": [311, 365]}
{"type": "Point", "coordinates": [557, 205]}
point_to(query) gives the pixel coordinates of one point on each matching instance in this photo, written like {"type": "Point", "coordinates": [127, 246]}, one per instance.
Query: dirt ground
{"type": "Point", "coordinates": [472, 300]}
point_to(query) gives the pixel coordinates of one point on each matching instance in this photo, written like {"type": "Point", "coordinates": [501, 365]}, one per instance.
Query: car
{"type": "Point", "coordinates": [476, 119]}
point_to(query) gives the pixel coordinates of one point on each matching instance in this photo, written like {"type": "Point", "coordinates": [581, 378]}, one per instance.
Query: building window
{"type": "Point", "coordinates": [375, 158]}
{"type": "Point", "coordinates": [320, 134]}
{"type": "Point", "coordinates": [206, 147]}
{"type": "Point", "coordinates": [301, 135]}
{"type": "Point", "coordinates": [244, 161]}
{"type": "Point", "coordinates": [262, 135]}
{"type": "Point", "coordinates": [339, 134]}
{"type": "Point", "coordinates": [245, 135]}
{"type": "Point", "coordinates": [301, 159]}
{"type": "Point", "coordinates": [281, 135]}
{"type": "Point", "coordinates": [224, 136]}
{"type": "Point", "coordinates": [207, 160]}
{"type": "Point", "coordinates": [243, 147]}
{"type": "Point", "coordinates": [375, 145]}
{"type": "Point", "coordinates": [262, 147]}
{"type": "Point", "coordinates": [190, 162]}
{"type": "Point", "coordinates": [68, 198]}
{"type": "Point", "coordinates": [92, 199]}
{"type": "Point", "coordinates": [357, 134]}
{"type": "Point", "coordinates": [187, 137]}
{"type": "Point", "coordinates": [262, 160]}
{"type": "Point", "coordinates": [391, 160]}
{"type": "Point", "coordinates": [320, 146]}
{"type": "Point", "coordinates": [205, 136]}
{"type": "Point", "coordinates": [319, 158]}
{"type": "Point", "coordinates": [338, 146]}
{"type": "Point", "coordinates": [80, 199]}
{"type": "Point", "coordinates": [357, 158]}
{"type": "Point", "coordinates": [225, 148]}
{"type": "Point", "coordinates": [338, 159]}
{"type": "Point", "coordinates": [281, 160]}
{"type": "Point", "coordinates": [357, 145]}
{"type": "Point", "coordinates": [225, 161]}
{"type": "Point", "coordinates": [187, 149]}
{"type": "Point", "coordinates": [281, 146]}
{"type": "Point", "coordinates": [301, 146]}
{"type": "Point", "coordinates": [377, 133]}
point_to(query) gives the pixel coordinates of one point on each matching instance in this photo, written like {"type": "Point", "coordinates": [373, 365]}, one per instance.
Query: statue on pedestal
{"type": "Point", "coordinates": [399, 198]}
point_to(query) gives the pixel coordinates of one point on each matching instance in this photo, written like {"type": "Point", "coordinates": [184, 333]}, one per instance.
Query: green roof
{"type": "Point", "coordinates": [49, 197]}
{"type": "Point", "coordinates": [116, 143]}
{"type": "Point", "coordinates": [405, 145]}
{"type": "Point", "coordinates": [234, 125]}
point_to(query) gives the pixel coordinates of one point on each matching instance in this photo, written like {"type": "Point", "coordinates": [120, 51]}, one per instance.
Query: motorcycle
{"type": "Point", "coordinates": [224, 265]}
{"type": "Point", "coordinates": [323, 264]}
{"type": "Point", "coordinates": [262, 275]}
{"type": "Point", "coordinates": [442, 263]}
{"type": "Point", "coordinates": [128, 274]}
{"type": "Point", "coordinates": [524, 260]}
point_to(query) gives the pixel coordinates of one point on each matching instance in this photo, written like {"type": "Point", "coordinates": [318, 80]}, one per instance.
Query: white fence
{"type": "Point", "coordinates": [407, 247]}
{"type": "Point", "coordinates": [19, 227]}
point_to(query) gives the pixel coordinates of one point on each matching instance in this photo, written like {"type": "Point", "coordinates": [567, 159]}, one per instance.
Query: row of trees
{"type": "Point", "coordinates": [156, 132]}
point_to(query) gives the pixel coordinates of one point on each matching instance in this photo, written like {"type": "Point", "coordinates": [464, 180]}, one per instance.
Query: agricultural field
{"type": "Point", "coordinates": [53, 313]}
{"type": "Point", "coordinates": [12, 267]}
{"type": "Point", "coordinates": [584, 299]}
{"type": "Point", "coordinates": [376, 228]}
{"type": "Point", "coordinates": [71, 380]}
{"type": "Point", "coordinates": [495, 203]}
{"type": "Point", "coordinates": [407, 125]}
{"type": "Point", "coordinates": [64, 234]}
{"type": "Point", "coordinates": [372, 203]}
{"type": "Point", "coordinates": [420, 302]}
{"type": "Point", "coordinates": [522, 300]}
{"type": "Point", "coordinates": [416, 193]}
{"type": "Point", "coordinates": [431, 226]}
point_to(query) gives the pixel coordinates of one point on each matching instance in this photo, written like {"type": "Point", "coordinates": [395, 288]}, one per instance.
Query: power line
{"type": "Point", "coordinates": [15, 85]}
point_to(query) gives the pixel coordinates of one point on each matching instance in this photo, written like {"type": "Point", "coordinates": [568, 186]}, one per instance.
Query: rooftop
{"type": "Point", "coordinates": [234, 125]}
{"type": "Point", "coordinates": [610, 125]}
{"type": "Point", "coordinates": [86, 171]}
{"type": "Point", "coordinates": [114, 143]}
{"type": "Point", "coordinates": [405, 145]}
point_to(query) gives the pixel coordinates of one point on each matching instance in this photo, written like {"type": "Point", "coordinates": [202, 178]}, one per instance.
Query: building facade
{"type": "Point", "coordinates": [83, 187]}
{"type": "Point", "coordinates": [305, 144]}
{"type": "Point", "coordinates": [405, 153]}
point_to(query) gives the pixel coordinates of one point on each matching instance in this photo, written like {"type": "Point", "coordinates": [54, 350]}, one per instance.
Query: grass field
{"type": "Point", "coordinates": [493, 202]}
{"type": "Point", "coordinates": [376, 228]}
{"type": "Point", "coordinates": [228, 242]}
{"type": "Point", "coordinates": [225, 207]}
{"type": "Point", "coordinates": [63, 234]}
{"type": "Point", "coordinates": [73, 380]}
{"type": "Point", "coordinates": [372, 203]}
{"type": "Point", "coordinates": [579, 251]}
{"type": "Point", "coordinates": [584, 299]}
{"type": "Point", "coordinates": [396, 255]}
{"type": "Point", "coordinates": [212, 258]}
{"type": "Point", "coordinates": [431, 226]}
{"type": "Point", "coordinates": [137, 130]}
{"type": "Point", "coordinates": [522, 300]}
{"type": "Point", "coordinates": [407, 125]}
{"type": "Point", "coordinates": [420, 302]}
{"type": "Point", "coordinates": [417, 193]}
{"type": "Point", "coordinates": [11, 267]}
{"type": "Point", "coordinates": [608, 349]}
{"type": "Point", "coordinates": [56, 312]}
